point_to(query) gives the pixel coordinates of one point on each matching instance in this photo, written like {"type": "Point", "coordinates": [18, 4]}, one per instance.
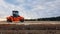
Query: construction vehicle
{"type": "Point", "coordinates": [15, 17]}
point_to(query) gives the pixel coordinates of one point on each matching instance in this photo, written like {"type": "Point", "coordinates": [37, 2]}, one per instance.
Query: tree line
{"type": "Point", "coordinates": [45, 19]}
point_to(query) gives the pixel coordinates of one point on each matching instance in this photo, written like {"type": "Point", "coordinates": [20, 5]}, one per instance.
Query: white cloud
{"type": "Point", "coordinates": [31, 8]}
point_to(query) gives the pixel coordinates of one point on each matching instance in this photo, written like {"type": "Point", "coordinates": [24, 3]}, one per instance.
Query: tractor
{"type": "Point", "coordinates": [15, 17]}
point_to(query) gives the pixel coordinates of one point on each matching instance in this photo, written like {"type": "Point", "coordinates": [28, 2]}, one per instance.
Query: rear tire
{"type": "Point", "coordinates": [9, 20]}
{"type": "Point", "coordinates": [21, 20]}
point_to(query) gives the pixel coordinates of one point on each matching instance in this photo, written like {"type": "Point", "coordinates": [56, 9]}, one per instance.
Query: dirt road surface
{"type": "Point", "coordinates": [32, 22]}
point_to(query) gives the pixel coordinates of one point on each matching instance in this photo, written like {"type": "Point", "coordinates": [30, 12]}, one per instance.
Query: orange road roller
{"type": "Point", "coordinates": [15, 17]}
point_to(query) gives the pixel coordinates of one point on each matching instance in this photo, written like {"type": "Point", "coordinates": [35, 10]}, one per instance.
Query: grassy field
{"type": "Point", "coordinates": [30, 27]}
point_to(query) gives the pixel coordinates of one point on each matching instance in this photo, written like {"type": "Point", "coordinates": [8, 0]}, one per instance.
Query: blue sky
{"type": "Point", "coordinates": [30, 8]}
